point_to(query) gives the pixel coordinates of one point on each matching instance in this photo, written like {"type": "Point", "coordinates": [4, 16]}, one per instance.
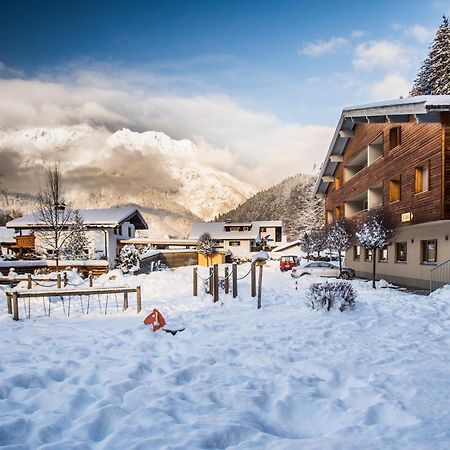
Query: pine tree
{"type": "Point", "coordinates": [76, 246]}
{"type": "Point", "coordinates": [433, 77]}
{"type": "Point", "coordinates": [128, 259]}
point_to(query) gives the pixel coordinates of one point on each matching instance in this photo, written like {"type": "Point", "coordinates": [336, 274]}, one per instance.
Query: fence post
{"type": "Point", "coordinates": [260, 285]}
{"type": "Point", "coordinates": [195, 282]}
{"type": "Point", "coordinates": [138, 299]}
{"type": "Point", "coordinates": [234, 279]}
{"type": "Point", "coordinates": [226, 283]}
{"type": "Point", "coordinates": [65, 279]}
{"type": "Point", "coordinates": [29, 281]}
{"type": "Point", "coordinates": [15, 306]}
{"type": "Point", "coordinates": [91, 282]}
{"type": "Point", "coordinates": [8, 302]}
{"type": "Point", "coordinates": [216, 283]}
{"type": "Point", "coordinates": [253, 279]}
{"type": "Point", "coordinates": [210, 281]}
{"type": "Point", "coordinates": [125, 301]}
{"type": "Point", "coordinates": [58, 280]}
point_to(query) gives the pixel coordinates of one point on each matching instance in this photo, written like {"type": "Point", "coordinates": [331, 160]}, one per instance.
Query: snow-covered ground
{"type": "Point", "coordinates": [283, 377]}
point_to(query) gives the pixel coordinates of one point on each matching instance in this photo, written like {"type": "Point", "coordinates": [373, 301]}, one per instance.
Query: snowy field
{"type": "Point", "coordinates": [282, 377]}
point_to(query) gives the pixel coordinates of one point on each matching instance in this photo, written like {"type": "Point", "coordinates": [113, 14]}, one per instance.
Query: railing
{"type": "Point", "coordinates": [440, 275]}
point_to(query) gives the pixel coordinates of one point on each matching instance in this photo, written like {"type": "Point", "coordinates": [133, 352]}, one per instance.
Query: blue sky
{"type": "Point", "coordinates": [291, 63]}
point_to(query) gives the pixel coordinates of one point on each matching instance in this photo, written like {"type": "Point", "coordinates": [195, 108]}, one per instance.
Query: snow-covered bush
{"type": "Point", "coordinates": [128, 259]}
{"type": "Point", "coordinates": [331, 295]}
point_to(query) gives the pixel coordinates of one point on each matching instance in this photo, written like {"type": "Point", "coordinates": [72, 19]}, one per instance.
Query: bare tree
{"type": "Point", "coordinates": [54, 216]}
{"type": "Point", "coordinates": [375, 231]}
{"type": "Point", "coordinates": [206, 246]}
{"type": "Point", "coordinates": [339, 235]}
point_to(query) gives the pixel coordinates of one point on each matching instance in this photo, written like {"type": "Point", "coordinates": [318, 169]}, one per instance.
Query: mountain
{"type": "Point", "coordinates": [290, 201]}
{"type": "Point", "coordinates": [170, 180]}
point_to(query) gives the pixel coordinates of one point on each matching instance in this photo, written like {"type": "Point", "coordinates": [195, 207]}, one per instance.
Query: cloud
{"type": "Point", "coordinates": [391, 86]}
{"type": "Point", "coordinates": [319, 48]}
{"type": "Point", "coordinates": [252, 145]}
{"type": "Point", "coordinates": [373, 55]}
{"type": "Point", "coordinates": [420, 33]}
{"type": "Point", "coordinates": [358, 33]}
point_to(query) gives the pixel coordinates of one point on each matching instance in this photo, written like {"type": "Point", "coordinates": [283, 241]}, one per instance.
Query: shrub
{"type": "Point", "coordinates": [331, 295]}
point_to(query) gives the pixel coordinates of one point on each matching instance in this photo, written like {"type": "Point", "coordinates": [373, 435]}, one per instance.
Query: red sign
{"type": "Point", "coordinates": [155, 319]}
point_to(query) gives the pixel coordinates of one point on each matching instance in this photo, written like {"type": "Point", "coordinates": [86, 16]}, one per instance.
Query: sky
{"type": "Point", "coordinates": [263, 80]}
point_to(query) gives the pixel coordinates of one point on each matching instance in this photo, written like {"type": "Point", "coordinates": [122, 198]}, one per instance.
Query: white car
{"type": "Point", "coordinates": [322, 269]}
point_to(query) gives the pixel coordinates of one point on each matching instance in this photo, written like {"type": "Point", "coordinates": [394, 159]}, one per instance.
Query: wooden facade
{"type": "Point", "coordinates": [405, 147]}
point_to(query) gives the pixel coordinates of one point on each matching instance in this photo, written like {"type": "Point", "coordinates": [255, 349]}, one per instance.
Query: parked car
{"type": "Point", "coordinates": [289, 262]}
{"type": "Point", "coordinates": [322, 269]}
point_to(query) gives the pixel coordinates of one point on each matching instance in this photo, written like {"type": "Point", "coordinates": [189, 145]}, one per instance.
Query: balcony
{"type": "Point", "coordinates": [371, 198]}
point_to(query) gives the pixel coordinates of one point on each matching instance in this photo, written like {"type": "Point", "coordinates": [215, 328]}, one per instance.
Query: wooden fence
{"type": "Point", "coordinates": [12, 297]}
{"type": "Point", "coordinates": [213, 284]}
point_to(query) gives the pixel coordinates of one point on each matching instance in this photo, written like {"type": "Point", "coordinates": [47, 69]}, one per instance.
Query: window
{"type": "Point", "coordinates": [368, 254]}
{"type": "Point", "coordinates": [337, 183]}
{"type": "Point", "coordinates": [337, 212]}
{"type": "Point", "coordinates": [244, 228]}
{"type": "Point", "coordinates": [395, 137]}
{"type": "Point", "coordinates": [235, 243]}
{"type": "Point", "coordinates": [263, 229]}
{"type": "Point", "coordinates": [357, 252]}
{"type": "Point", "coordinates": [422, 179]}
{"type": "Point", "coordinates": [401, 251]}
{"type": "Point", "coordinates": [329, 216]}
{"type": "Point", "coordinates": [383, 254]}
{"type": "Point", "coordinates": [429, 251]}
{"type": "Point", "coordinates": [394, 190]}
{"type": "Point", "coordinates": [129, 232]}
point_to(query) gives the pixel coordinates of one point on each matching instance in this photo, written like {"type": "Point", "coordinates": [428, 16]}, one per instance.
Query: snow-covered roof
{"type": "Point", "coordinates": [217, 229]}
{"type": "Point", "coordinates": [424, 109]}
{"type": "Point", "coordinates": [6, 236]}
{"type": "Point", "coordinates": [287, 246]}
{"type": "Point", "coordinates": [95, 218]}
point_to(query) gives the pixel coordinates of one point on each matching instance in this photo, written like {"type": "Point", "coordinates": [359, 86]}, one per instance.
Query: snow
{"type": "Point", "coordinates": [283, 377]}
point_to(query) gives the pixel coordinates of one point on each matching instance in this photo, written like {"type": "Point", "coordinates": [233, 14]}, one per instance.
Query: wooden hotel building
{"type": "Point", "coordinates": [394, 153]}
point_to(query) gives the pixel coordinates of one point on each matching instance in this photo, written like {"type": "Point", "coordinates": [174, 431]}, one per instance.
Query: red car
{"type": "Point", "coordinates": [288, 262]}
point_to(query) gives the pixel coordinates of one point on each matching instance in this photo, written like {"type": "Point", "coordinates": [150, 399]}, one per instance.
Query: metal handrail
{"type": "Point", "coordinates": [444, 274]}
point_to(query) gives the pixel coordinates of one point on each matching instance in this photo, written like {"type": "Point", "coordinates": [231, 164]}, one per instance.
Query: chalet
{"type": "Point", "coordinates": [241, 237]}
{"type": "Point", "coordinates": [104, 228]}
{"type": "Point", "coordinates": [394, 153]}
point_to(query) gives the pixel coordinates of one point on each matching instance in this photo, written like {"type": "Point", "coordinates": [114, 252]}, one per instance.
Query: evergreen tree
{"type": "Point", "coordinates": [77, 243]}
{"type": "Point", "coordinates": [433, 77]}
{"type": "Point", "coordinates": [128, 259]}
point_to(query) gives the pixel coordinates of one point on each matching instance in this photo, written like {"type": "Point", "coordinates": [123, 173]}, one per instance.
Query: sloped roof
{"type": "Point", "coordinates": [217, 229]}
{"type": "Point", "coordinates": [6, 236]}
{"type": "Point", "coordinates": [96, 218]}
{"type": "Point", "coordinates": [424, 109]}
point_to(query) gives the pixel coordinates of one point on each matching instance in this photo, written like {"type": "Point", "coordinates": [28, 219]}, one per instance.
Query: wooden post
{"type": "Point", "coordinates": [29, 281]}
{"type": "Point", "coordinates": [125, 301]}
{"type": "Point", "coordinates": [234, 277]}
{"type": "Point", "coordinates": [260, 284]}
{"type": "Point", "coordinates": [138, 299]}
{"type": "Point", "coordinates": [195, 282]}
{"type": "Point", "coordinates": [226, 283]}
{"type": "Point", "coordinates": [58, 281]}
{"type": "Point", "coordinates": [65, 279]}
{"type": "Point", "coordinates": [91, 282]}
{"type": "Point", "coordinates": [216, 283]}
{"type": "Point", "coordinates": [253, 279]}
{"type": "Point", "coordinates": [15, 306]}
{"type": "Point", "coordinates": [8, 302]}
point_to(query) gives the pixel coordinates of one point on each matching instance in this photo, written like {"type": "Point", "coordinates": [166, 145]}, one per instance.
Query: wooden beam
{"type": "Point", "coordinates": [70, 292]}
{"type": "Point", "coordinates": [336, 158]}
{"type": "Point", "coordinates": [376, 119]}
{"type": "Point", "coordinates": [328, 179]}
{"type": "Point", "coordinates": [346, 133]}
